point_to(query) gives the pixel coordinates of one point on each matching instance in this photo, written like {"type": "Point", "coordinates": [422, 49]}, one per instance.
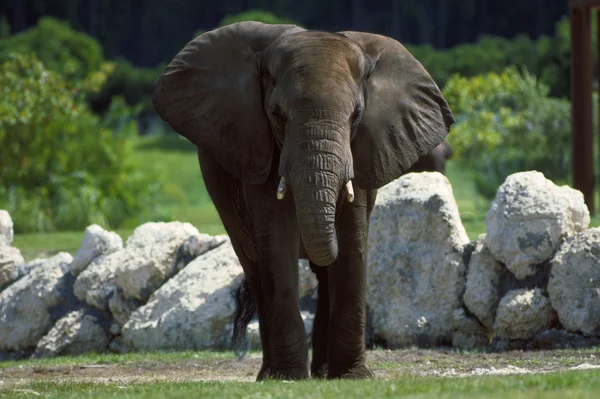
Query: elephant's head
{"type": "Point", "coordinates": [335, 107]}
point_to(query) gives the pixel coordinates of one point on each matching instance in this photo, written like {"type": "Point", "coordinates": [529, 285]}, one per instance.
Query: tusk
{"type": "Point", "coordinates": [281, 189]}
{"type": "Point", "coordinates": [349, 191]}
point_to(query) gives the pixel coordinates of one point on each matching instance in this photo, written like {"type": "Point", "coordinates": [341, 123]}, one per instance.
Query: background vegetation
{"type": "Point", "coordinates": [80, 142]}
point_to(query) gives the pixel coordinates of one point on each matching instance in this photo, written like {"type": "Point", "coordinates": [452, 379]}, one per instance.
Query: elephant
{"type": "Point", "coordinates": [435, 161]}
{"type": "Point", "coordinates": [295, 130]}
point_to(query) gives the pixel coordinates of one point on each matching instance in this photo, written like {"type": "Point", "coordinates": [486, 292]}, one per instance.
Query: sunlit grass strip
{"type": "Point", "coordinates": [581, 384]}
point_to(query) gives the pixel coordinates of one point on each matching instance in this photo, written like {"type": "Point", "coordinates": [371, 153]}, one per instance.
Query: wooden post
{"type": "Point", "coordinates": [581, 102]}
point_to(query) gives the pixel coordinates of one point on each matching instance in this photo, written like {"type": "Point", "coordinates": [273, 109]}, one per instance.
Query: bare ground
{"type": "Point", "coordinates": [387, 364]}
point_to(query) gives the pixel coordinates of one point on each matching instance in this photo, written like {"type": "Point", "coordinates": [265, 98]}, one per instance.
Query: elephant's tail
{"type": "Point", "coordinates": [245, 309]}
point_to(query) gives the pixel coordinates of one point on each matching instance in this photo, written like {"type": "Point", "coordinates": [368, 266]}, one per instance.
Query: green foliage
{"type": "Point", "coordinates": [134, 85]}
{"type": "Point", "coordinates": [4, 27]}
{"type": "Point", "coordinates": [61, 49]}
{"type": "Point", "coordinates": [78, 57]}
{"type": "Point", "coordinates": [61, 167]}
{"type": "Point", "coordinates": [545, 57]}
{"type": "Point", "coordinates": [255, 15]}
{"type": "Point", "coordinates": [507, 123]}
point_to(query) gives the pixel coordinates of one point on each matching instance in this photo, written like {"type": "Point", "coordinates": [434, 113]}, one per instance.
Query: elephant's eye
{"type": "Point", "coordinates": [276, 112]}
{"type": "Point", "coordinates": [356, 115]}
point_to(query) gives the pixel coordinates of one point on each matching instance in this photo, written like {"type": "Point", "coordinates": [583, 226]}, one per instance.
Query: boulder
{"type": "Point", "coordinates": [307, 280]}
{"type": "Point", "coordinates": [561, 339]}
{"type": "Point", "coordinates": [10, 257]}
{"type": "Point", "coordinates": [6, 227]}
{"type": "Point", "coordinates": [467, 324]}
{"type": "Point", "coordinates": [28, 305]}
{"type": "Point", "coordinates": [465, 340]}
{"type": "Point", "coordinates": [468, 332]}
{"type": "Point", "coordinates": [192, 310]}
{"type": "Point", "coordinates": [529, 219]}
{"type": "Point", "coordinates": [574, 284]}
{"type": "Point", "coordinates": [80, 331]}
{"type": "Point", "coordinates": [96, 241]}
{"type": "Point", "coordinates": [522, 314]}
{"type": "Point", "coordinates": [153, 254]}
{"type": "Point", "coordinates": [254, 330]}
{"type": "Point", "coordinates": [96, 284]}
{"type": "Point", "coordinates": [11, 264]}
{"type": "Point", "coordinates": [121, 308]}
{"type": "Point", "coordinates": [415, 273]}
{"type": "Point", "coordinates": [484, 289]}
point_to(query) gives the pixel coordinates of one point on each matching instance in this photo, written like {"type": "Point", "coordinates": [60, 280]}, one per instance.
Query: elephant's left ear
{"type": "Point", "coordinates": [405, 116]}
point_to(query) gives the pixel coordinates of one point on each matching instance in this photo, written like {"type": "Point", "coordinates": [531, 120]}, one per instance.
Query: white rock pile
{"type": "Point", "coordinates": [532, 280]}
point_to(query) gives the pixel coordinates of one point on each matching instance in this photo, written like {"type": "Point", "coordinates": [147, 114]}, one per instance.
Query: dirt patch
{"type": "Point", "coordinates": [386, 364]}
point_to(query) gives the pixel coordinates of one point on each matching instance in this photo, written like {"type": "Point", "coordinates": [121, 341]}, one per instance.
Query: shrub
{"type": "Point", "coordinates": [506, 123]}
{"type": "Point", "coordinates": [133, 85]}
{"type": "Point", "coordinates": [60, 48]}
{"type": "Point", "coordinates": [545, 57]}
{"type": "Point", "coordinates": [61, 168]}
{"type": "Point", "coordinates": [255, 15]}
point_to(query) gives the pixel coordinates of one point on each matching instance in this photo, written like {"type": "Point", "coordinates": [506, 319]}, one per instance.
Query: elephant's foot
{"type": "Point", "coordinates": [320, 373]}
{"type": "Point", "coordinates": [355, 373]}
{"type": "Point", "coordinates": [264, 373]}
{"type": "Point", "coordinates": [283, 374]}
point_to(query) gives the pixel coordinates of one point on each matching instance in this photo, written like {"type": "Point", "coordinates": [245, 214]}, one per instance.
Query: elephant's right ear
{"type": "Point", "coordinates": [211, 94]}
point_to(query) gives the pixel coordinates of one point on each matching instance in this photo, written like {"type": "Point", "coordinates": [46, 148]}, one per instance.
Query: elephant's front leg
{"type": "Point", "coordinates": [277, 238]}
{"type": "Point", "coordinates": [347, 290]}
{"type": "Point", "coordinates": [320, 332]}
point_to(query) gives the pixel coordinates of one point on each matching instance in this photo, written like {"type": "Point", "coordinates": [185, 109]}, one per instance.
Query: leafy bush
{"type": "Point", "coordinates": [506, 123]}
{"type": "Point", "coordinates": [134, 85]}
{"type": "Point", "coordinates": [61, 49]}
{"type": "Point", "coordinates": [545, 57]}
{"type": "Point", "coordinates": [61, 168]}
{"type": "Point", "coordinates": [256, 15]}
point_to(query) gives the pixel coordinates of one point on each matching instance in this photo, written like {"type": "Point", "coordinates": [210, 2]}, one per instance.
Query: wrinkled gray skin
{"type": "Point", "coordinates": [320, 109]}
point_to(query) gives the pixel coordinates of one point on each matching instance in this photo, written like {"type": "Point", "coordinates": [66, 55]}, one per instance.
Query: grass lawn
{"type": "Point", "coordinates": [406, 373]}
{"type": "Point", "coordinates": [570, 385]}
{"type": "Point", "coordinates": [174, 160]}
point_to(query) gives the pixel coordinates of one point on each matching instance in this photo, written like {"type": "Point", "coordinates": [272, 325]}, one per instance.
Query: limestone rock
{"type": "Point", "coordinates": [483, 290]}
{"type": "Point", "coordinates": [465, 340]}
{"type": "Point", "coordinates": [192, 310]}
{"type": "Point", "coordinates": [11, 262]}
{"type": "Point", "coordinates": [415, 272]}
{"type": "Point", "coordinates": [522, 314]}
{"type": "Point", "coordinates": [121, 308]}
{"type": "Point", "coordinates": [466, 324]}
{"type": "Point", "coordinates": [529, 219]}
{"type": "Point", "coordinates": [574, 285]}
{"type": "Point", "coordinates": [96, 241]}
{"type": "Point", "coordinates": [153, 254]}
{"type": "Point", "coordinates": [254, 331]}
{"type": "Point", "coordinates": [26, 306]}
{"type": "Point", "coordinates": [6, 227]}
{"type": "Point", "coordinates": [307, 280]}
{"type": "Point", "coordinates": [76, 333]}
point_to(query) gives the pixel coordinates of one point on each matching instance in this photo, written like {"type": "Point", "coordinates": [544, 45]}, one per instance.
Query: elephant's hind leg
{"type": "Point", "coordinates": [226, 193]}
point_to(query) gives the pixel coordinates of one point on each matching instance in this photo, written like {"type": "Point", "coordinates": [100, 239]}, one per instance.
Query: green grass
{"type": "Point", "coordinates": [174, 161]}
{"type": "Point", "coordinates": [158, 356]}
{"type": "Point", "coordinates": [557, 385]}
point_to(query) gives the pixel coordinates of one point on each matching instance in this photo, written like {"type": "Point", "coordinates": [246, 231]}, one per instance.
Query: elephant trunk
{"type": "Point", "coordinates": [319, 171]}
{"type": "Point", "coordinates": [316, 219]}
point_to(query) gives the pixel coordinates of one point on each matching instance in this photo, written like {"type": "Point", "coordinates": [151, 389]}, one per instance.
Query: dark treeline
{"type": "Point", "coordinates": [148, 32]}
